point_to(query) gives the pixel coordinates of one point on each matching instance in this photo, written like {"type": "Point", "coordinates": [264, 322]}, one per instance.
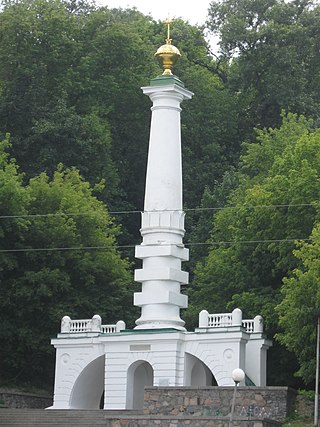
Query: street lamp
{"type": "Point", "coordinates": [237, 375]}
{"type": "Point", "coordinates": [316, 396]}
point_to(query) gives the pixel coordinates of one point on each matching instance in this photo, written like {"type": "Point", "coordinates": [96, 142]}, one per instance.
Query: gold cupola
{"type": "Point", "coordinates": [167, 54]}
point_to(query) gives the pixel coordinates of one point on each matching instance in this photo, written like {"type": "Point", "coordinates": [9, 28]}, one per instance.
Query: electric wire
{"type": "Point", "coordinates": [71, 214]}
{"type": "Point", "coordinates": [131, 246]}
{"type": "Point", "coordinates": [230, 242]}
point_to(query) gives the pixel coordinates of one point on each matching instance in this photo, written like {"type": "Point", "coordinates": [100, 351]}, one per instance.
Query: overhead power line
{"type": "Point", "coordinates": [71, 214]}
{"type": "Point", "coordinates": [74, 248]}
{"type": "Point", "coordinates": [253, 207]}
{"type": "Point", "coordinates": [87, 248]}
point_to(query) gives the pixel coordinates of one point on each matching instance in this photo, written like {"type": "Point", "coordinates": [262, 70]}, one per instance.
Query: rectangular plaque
{"type": "Point", "coordinates": [140, 347]}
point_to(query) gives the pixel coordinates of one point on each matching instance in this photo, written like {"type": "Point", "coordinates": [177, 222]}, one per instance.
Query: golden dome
{"type": "Point", "coordinates": [167, 54]}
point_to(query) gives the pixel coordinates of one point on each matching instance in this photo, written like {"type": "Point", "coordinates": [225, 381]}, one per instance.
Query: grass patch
{"type": "Point", "coordinates": [298, 421]}
{"type": "Point", "coordinates": [24, 388]}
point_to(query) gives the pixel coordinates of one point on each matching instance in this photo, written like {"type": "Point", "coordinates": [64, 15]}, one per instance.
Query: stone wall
{"type": "Point", "coordinates": [12, 399]}
{"type": "Point", "coordinates": [304, 406]}
{"type": "Point", "coordinates": [188, 422]}
{"type": "Point", "coordinates": [273, 403]}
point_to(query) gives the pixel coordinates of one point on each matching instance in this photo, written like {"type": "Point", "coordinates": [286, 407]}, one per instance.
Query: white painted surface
{"type": "Point", "coordinates": [92, 358]}
{"type": "Point", "coordinates": [88, 388]}
{"type": "Point", "coordinates": [176, 358]}
{"type": "Point", "coordinates": [162, 227]}
{"type": "Point", "coordinates": [164, 170]}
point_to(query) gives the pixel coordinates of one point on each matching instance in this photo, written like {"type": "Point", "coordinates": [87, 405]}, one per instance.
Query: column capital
{"type": "Point", "coordinates": [168, 89]}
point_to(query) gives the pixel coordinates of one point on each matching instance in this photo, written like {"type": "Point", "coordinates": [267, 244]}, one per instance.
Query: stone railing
{"type": "Point", "coordinates": [219, 320]}
{"type": "Point", "coordinates": [70, 326]}
{"type": "Point", "coordinates": [225, 320]}
{"type": "Point", "coordinates": [248, 325]}
{"type": "Point", "coordinates": [112, 329]}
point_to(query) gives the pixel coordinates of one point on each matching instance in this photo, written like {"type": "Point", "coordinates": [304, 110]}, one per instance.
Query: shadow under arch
{"type": "Point", "coordinates": [139, 375]}
{"type": "Point", "coordinates": [88, 388]}
{"type": "Point", "coordinates": [197, 373]}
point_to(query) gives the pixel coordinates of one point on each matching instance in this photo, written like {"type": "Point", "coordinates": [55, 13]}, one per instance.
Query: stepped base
{"type": "Point", "coordinates": [78, 418]}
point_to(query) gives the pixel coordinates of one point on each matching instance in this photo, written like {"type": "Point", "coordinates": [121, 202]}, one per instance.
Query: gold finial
{"type": "Point", "coordinates": [168, 21]}
{"type": "Point", "coordinates": [167, 54]}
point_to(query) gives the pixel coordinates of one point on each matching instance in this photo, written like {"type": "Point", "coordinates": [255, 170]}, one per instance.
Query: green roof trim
{"type": "Point", "coordinates": [150, 331]}
{"type": "Point", "coordinates": [144, 331]}
{"type": "Point", "coordinates": [166, 80]}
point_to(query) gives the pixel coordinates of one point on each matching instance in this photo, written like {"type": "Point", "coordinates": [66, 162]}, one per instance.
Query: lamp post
{"type": "Point", "coordinates": [237, 375]}
{"type": "Point", "coordinates": [316, 396]}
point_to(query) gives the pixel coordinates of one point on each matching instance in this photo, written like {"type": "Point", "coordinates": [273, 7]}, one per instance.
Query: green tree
{"type": "Point", "coordinates": [118, 61]}
{"type": "Point", "coordinates": [273, 48]}
{"type": "Point", "coordinates": [70, 79]}
{"type": "Point", "coordinates": [253, 236]}
{"type": "Point", "coordinates": [55, 271]}
{"type": "Point", "coordinates": [43, 46]}
{"type": "Point", "coordinates": [13, 207]}
{"type": "Point", "coordinates": [202, 219]}
{"type": "Point", "coordinates": [301, 301]}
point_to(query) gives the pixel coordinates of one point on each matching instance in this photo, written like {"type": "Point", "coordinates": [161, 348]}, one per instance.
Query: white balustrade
{"type": "Point", "coordinates": [108, 329]}
{"type": "Point", "coordinates": [112, 329]}
{"type": "Point", "coordinates": [220, 320]}
{"type": "Point", "coordinates": [89, 325]}
{"type": "Point", "coordinates": [223, 320]}
{"type": "Point", "coordinates": [82, 325]}
{"type": "Point", "coordinates": [248, 325]}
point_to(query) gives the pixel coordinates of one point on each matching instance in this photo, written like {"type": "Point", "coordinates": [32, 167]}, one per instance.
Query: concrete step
{"type": "Point", "coordinates": [60, 418]}
{"type": "Point", "coordinates": [101, 418]}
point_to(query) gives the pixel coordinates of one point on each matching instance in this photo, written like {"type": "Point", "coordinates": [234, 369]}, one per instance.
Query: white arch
{"type": "Point", "coordinates": [197, 373]}
{"type": "Point", "coordinates": [139, 375]}
{"type": "Point", "coordinates": [88, 388]}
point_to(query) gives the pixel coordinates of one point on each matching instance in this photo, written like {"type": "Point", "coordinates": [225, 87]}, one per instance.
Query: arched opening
{"type": "Point", "coordinates": [197, 373]}
{"type": "Point", "coordinates": [140, 375]}
{"type": "Point", "coordinates": [88, 388]}
{"type": "Point", "coordinates": [201, 375]}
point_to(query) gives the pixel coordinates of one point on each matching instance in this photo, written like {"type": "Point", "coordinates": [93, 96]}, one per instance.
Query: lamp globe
{"type": "Point", "coordinates": [238, 375]}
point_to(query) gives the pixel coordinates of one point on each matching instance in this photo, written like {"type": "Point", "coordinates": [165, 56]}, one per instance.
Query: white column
{"type": "Point", "coordinates": [162, 227]}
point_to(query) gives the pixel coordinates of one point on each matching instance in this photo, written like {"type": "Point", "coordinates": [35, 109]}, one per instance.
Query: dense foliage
{"type": "Point", "coordinates": [46, 270]}
{"type": "Point", "coordinates": [70, 98]}
{"type": "Point", "coordinates": [253, 237]}
{"type": "Point", "coordinates": [300, 306]}
{"type": "Point", "coordinates": [273, 46]}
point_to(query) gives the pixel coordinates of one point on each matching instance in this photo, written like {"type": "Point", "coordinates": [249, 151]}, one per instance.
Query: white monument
{"type": "Point", "coordinates": [98, 363]}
